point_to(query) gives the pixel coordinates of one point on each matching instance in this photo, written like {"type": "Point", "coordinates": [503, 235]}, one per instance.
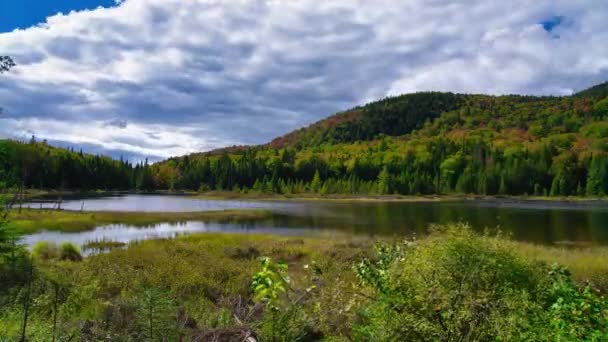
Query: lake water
{"type": "Point", "coordinates": [568, 223]}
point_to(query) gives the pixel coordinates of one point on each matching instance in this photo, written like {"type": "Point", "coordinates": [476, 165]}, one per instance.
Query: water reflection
{"type": "Point", "coordinates": [127, 234]}
{"type": "Point", "coordinates": [538, 222]}
{"type": "Point", "coordinates": [149, 203]}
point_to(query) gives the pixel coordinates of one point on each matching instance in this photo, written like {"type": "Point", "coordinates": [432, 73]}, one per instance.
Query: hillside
{"type": "Point", "coordinates": [391, 116]}
{"type": "Point", "coordinates": [427, 143]}
{"type": "Point", "coordinates": [422, 143]}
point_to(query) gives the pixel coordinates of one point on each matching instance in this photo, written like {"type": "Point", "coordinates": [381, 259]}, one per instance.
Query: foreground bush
{"type": "Point", "coordinates": [459, 286]}
{"type": "Point", "coordinates": [453, 285]}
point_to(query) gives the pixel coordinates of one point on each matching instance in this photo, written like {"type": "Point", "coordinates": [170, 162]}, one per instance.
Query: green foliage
{"type": "Point", "coordinates": [36, 164]}
{"type": "Point", "coordinates": [576, 313]}
{"type": "Point", "coordinates": [375, 273]}
{"type": "Point", "coordinates": [598, 91]}
{"type": "Point", "coordinates": [286, 318]}
{"type": "Point", "coordinates": [458, 286]}
{"type": "Point", "coordinates": [44, 250]}
{"type": "Point", "coordinates": [596, 130]}
{"type": "Point", "coordinates": [156, 316]}
{"type": "Point", "coordinates": [270, 283]}
{"type": "Point", "coordinates": [69, 251]}
{"type": "Point", "coordinates": [451, 284]}
{"type": "Point", "coordinates": [601, 108]}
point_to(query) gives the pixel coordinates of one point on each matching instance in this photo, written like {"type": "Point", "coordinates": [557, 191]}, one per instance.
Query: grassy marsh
{"type": "Point", "coordinates": [32, 220]}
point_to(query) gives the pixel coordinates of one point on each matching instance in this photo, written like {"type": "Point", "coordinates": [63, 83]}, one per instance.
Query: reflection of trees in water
{"type": "Point", "coordinates": [542, 225]}
{"type": "Point", "coordinates": [598, 226]}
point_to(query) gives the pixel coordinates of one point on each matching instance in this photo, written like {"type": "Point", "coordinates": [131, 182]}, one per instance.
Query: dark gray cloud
{"type": "Point", "coordinates": [117, 123]}
{"type": "Point", "coordinates": [164, 77]}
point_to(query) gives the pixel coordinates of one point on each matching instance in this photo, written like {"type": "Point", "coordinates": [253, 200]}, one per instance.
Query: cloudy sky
{"type": "Point", "coordinates": [156, 78]}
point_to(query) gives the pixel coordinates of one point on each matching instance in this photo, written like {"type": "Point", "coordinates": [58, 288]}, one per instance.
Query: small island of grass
{"type": "Point", "coordinates": [28, 221]}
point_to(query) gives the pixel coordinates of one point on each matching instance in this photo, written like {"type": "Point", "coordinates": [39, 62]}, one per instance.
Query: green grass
{"type": "Point", "coordinates": [32, 220]}
{"type": "Point", "coordinates": [103, 245]}
{"type": "Point", "coordinates": [586, 264]}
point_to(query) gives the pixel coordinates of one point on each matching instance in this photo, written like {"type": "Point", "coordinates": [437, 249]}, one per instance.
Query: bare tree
{"type": "Point", "coordinates": [6, 63]}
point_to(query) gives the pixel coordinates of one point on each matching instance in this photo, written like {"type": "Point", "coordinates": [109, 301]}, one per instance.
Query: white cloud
{"type": "Point", "coordinates": [155, 141]}
{"type": "Point", "coordinates": [206, 73]}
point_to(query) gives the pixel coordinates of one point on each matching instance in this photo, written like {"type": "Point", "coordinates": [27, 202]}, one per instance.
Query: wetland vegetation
{"type": "Point", "coordinates": [452, 284]}
{"type": "Point", "coordinates": [28, 221]}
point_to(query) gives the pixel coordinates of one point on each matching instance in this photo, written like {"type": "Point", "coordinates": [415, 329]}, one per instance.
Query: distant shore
{"type": "Point", "coordinates": [228, 195]}
{"type": "Point", "coordinates": [251, 195]}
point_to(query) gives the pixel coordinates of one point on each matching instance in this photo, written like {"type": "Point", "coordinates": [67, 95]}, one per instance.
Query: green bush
{"type": "Point", "coordinates": [576, 314]}
{"type": "Point", "coordinates": [45, 250]}
{"type": "Point", "coordinates": [69, 251]}
{"type": "Point", "coordinates": [459, 286]}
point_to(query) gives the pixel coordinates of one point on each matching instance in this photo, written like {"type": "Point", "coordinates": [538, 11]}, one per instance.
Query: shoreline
{"type": "Point", "coordinates": [399, 198]}
{"type": "Point", "coordinates": [258, 196]}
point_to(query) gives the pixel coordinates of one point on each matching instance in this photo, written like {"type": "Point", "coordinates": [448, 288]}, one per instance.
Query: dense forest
{"type": "Point", "coordinates": [39, 165]}
{"type": "Point", "coordinates": [423, 143]}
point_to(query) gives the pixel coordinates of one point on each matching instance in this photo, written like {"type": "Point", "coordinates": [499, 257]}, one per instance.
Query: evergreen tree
{"type": "Point", "coordinates": [316, 183]}
{"type": "Point", "coordinates": [384, 181]}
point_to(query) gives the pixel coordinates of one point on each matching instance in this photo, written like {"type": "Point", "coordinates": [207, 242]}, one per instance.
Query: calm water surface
{"type": "Point", "coordinates": [538, 222]}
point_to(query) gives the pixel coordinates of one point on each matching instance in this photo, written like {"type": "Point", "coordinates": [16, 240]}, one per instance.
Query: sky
{"type": "Point", "coordinates": [160, 78]}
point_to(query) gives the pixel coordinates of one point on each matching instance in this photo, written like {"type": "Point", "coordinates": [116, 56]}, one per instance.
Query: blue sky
{"type": "Point", "coordinates": [158, 78]}
{"type": "Point", "coordinates": [25, 13]}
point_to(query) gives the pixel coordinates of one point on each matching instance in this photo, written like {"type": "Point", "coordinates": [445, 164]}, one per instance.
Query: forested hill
{"type": "Point", "coordinates": [421, 143]}
{"type": "Point", "coordinates": [599, 91]}
{"type": "Point", "coordinates": [426, 143]}
{"type": "Point", "coordinates": [391, 116]}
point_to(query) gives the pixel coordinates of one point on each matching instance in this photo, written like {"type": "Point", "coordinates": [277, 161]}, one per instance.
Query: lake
{"type": "Point", "coordinates": [542, 222]}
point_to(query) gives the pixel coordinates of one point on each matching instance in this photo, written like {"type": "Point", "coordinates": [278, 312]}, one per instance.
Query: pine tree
{"type": "Point", "coordinates": [555, 186]}
{"type": "Point", "coordinates": [596, 177]}
{"type": "Point", "coordinates": [316, 184]}
{"type": "Point", "coordinates": [384, 181]}
{"type": "Point", "coordinates": [502, 190]}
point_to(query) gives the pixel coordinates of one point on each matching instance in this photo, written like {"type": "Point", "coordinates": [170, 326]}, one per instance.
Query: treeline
{"type": "Point", "coordinates": [38, 165]}
{"type": "Point", "coordinates": [442, 167]}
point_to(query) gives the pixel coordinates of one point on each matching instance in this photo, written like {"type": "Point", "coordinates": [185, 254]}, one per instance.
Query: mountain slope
{"type": "Point", "coordinates": [598, 92]}
{"type": "Point", "coordinates": [391, 116]}
{"type": "Point", "coordinates": [427, 143]}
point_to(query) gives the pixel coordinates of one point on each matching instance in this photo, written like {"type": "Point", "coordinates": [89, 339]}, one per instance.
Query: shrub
{"type": "Point", "coordinates": [576, 313]}
{"type": "Point", "coordinates": [286, 318]}
{"type": "Point", "coordinates": [456, 285]}
{"type": "Point", "coordinates": [45, 250]}
{"type": "Point", "coordinates": [69, 251]}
